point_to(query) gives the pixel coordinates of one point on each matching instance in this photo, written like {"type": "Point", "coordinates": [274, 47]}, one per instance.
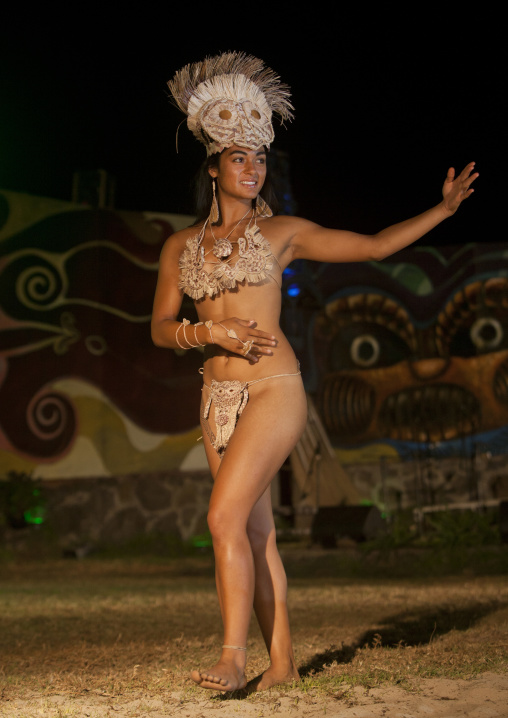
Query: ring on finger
{"type": "Point", "coordinates": [247, 347]}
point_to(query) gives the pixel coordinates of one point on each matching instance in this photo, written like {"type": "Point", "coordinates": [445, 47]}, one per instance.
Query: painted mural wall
{"type": "Point", "coordinates": [404, 355]}
{"type": "Point", "coordinates": [83, 391]}
{"type": "Point", "coordinates": [409, 357]}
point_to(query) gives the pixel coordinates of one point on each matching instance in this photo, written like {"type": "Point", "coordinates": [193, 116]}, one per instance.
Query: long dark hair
{"type": "Point", "coordinates": [203, 190]}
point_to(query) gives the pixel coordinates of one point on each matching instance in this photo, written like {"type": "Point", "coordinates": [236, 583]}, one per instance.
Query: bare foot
{"type": "Point", "coordinates": [272, 677]}
{"type": "Point", "coordinates": [224, 676]}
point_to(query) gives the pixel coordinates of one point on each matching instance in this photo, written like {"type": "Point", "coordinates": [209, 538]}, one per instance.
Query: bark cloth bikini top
{"type": "Point", "coordinates": [253, 264]}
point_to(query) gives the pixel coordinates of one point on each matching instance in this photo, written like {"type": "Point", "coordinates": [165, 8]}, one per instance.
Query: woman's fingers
{"type": "Point", "coordinates": [467, 169]}
{"type": "Point", "coordinates": [249, 341]}
{"type": "Point", "coordinates": [456, 189]}
{"type": "Point", "coordinates": [257, 335]}
{"type": "Point", "coordinates": [263, 340]}
{"type": "Point", "coordinates": [260, 336]}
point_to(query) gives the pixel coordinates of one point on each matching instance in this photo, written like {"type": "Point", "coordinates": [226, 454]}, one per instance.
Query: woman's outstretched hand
{"type": "Point", "coordinates": [241, 337]}
{"type": "Point", "coordinates": [456, 189]}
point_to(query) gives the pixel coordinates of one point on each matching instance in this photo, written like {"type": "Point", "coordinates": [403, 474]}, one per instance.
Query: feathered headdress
{"type": "Point", "coordinates": [229, 100]}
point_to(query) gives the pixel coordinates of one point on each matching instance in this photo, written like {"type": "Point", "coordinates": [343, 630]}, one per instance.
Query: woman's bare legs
{"type": "Point", "coordinates": [267, 431]}
{"type": "Point", "coordinates": [270, 598]}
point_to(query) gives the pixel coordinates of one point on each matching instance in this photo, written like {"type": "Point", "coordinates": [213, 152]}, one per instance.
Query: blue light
{"type": "Point", "coordinates": [289, 272]}
{"type": "Point", "coordinates": [293, 290]}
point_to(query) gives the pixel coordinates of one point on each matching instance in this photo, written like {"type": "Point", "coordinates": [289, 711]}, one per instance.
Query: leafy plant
{"type": "Point", "coordinates": [21, 500]}
{"type": "Point", "coordinates": [462, 528]}
{"type": "Point", "coordinates": [401, 532]}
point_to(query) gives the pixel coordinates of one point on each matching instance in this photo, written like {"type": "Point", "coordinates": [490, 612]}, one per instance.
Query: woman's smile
{"type": "Point", "coordinates": [241, 167]}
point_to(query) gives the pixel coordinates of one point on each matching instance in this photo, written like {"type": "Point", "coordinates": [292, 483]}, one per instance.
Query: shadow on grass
{"type": "Point", "coordinates": [406, 629]}
{"type": "Point", "coordinates": [402, 629]}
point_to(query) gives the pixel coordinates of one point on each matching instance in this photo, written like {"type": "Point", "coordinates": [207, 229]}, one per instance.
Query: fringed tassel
{"type": "Point", "coordinates": [214, 211]}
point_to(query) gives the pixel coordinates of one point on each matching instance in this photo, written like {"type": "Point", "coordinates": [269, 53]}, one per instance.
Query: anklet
{"type": "Point", "coordinates": [237, 648]}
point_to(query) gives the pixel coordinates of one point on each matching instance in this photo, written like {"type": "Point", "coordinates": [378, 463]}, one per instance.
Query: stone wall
{"type": "Point", "coordinates": [87, 512]}
{"type": "Point", "coordinates": [408, 484]}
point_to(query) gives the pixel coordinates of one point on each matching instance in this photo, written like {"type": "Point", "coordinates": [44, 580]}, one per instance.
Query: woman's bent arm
{"type": "Point", "coordinates": [239, 336]}
{"type": "Point", "coordinates": [168, 298]}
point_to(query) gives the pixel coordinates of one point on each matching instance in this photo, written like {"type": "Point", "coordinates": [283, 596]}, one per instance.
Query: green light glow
{"type": "Point", "coordinates": [36, 515]}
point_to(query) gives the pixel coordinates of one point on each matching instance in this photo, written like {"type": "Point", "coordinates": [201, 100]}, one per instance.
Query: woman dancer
{"type": "Point", "coordinates": [254, 406]}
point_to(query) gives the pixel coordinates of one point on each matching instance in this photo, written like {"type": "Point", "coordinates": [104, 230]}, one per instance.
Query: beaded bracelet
{"type": "Point", "coordinates": [209, 325]}
{"type": "Point", "coordinates": [185, 323]}
{"type": "Point", "coordinates": [230, 332]}
{"type": "Point", "coordinates": [176, 337]}
{"type": "Point", "coordinates": [198, 324]}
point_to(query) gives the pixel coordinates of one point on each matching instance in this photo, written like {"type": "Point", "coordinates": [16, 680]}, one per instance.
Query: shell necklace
{"type": "Point", "coordinates": [222, 247]}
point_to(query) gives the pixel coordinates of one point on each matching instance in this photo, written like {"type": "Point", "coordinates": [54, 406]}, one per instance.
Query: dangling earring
{"type": "Point", "coordinates": [214, 210]}
{"type": "Point", "coordinates": [262, 208]}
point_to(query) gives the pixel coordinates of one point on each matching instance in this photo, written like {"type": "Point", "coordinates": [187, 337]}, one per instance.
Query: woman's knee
{"type": "Point", "coordinates": [224, 525]}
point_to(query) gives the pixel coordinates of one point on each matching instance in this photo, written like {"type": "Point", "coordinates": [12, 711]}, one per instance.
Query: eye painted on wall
{"type": "Point", "coordinates": [486, 333]}
{"type": "Point", "coordinates": [365, 345]}
{"type": "Point", "coordinates": [365, 350]}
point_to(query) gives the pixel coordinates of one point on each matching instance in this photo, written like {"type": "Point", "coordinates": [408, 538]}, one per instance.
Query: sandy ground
{"type": "Point", "coordinates": [485, 696]}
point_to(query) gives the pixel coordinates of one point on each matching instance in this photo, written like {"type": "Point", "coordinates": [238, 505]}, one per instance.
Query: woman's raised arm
{"type": "Point", "coordinates": [310, 241]}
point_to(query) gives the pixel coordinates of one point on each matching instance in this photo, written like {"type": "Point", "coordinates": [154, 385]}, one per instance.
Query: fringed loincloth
{"type": "Point", "coordinates": [229, 399]}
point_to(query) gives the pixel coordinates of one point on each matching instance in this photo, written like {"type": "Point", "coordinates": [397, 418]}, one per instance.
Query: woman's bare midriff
{"type": "Point", "coordinates": [261, 303]}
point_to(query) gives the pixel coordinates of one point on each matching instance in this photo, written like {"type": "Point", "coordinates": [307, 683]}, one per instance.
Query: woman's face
{"type": "Point", "coordinates": [241, 172]}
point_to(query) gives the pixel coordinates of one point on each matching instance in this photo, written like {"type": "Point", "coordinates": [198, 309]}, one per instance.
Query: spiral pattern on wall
{"type": "Point", "coordinates": [39, 286]}
{"type": "Point", "coordinates": [49, 416]}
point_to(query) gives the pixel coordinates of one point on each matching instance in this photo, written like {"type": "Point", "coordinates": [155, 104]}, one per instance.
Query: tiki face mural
{"type": "Point", "coordinates": [442, 379]}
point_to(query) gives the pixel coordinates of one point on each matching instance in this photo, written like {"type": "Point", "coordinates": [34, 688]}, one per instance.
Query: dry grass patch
{"type": "Point", "coordinates": [125, 629]}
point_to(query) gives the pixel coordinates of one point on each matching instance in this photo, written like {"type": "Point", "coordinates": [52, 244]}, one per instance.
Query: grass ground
{"type": "Point", "coordinates": [135, 624]}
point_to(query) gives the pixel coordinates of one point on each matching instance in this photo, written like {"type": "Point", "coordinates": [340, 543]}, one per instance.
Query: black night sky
{"type": "Point", "coordinates": [382, 109]}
